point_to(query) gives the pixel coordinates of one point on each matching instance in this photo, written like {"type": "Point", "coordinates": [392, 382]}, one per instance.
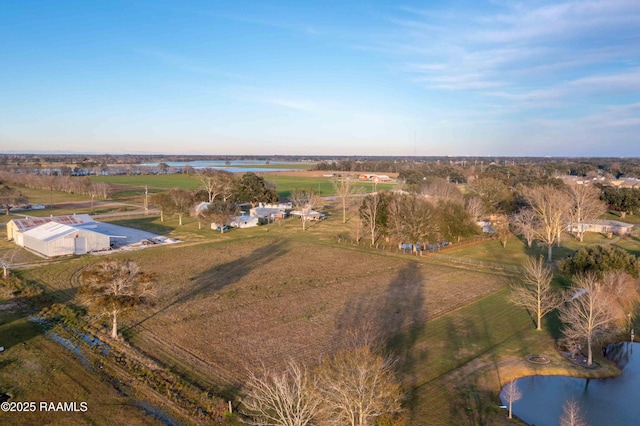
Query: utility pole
{"type": "Point", "coordinates": [146, 200]}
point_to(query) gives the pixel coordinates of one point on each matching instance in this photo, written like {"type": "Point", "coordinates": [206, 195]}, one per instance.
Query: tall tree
{"type": "Point", "coordinates": [344, 190]}
{"type": "Point", "coordinates": [589, 316]}
{"type": "Point", "coordinates": [287, 399]}
{"type": "Point", "coordinates": [525, 223]}
{"type": "Point", "coordinates": [220, 211]}
{"type": "Point", "coordinates": [163, 202]}
{"type": "Point", "coordinates": [11, 198]}
{"type": "Point", "coordinates": [182, 201]}
{"type": "Point", "coordinates": [254, 189]}
{"type": "Point", "coordinates": [475, 208]}
{"type": "Point", "coordinates": [511, 393]}
{"type": "Point", "coordinates": [454, 221]}
{"type": "Point", "coordinates": [217, 183]}
{"type": "Point", "coordinates": [494, 194]}
{"type": "Point", "coordinates": [357, 387]}
{"type": "Point", "coordinates": [585, 205]}
{"type": "Point", "coordinates": [412, 219]}
{"type": "Point", "coordinates": [373, 212]}
{"type": "Point", "coordinates": [114, 286]}
{"type": "Point", "coordinates": [535, 292]}
{"type": "Point", "coordinates": [551, 206]}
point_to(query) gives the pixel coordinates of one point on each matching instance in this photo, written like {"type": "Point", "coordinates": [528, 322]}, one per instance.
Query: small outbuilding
{"type": "Point", "coordinates": [244, 221]}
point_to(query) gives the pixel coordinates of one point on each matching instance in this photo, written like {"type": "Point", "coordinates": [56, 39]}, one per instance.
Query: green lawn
{"type": "Point", "coordinates": [516, 250]}
{"type": "Point", "coordinates": [285, 184]}
{"type": "Point", "coordinates": [153, 181]}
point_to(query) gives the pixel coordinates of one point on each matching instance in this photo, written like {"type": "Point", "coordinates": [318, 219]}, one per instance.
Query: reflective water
{"type": "Point", "coordinates": [607, 402]}
{"type": "Point", "coordinates": [237, 166]}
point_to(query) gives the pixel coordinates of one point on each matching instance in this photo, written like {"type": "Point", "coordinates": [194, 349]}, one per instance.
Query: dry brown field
{"type": "Point", "coordinates": [222, 308]}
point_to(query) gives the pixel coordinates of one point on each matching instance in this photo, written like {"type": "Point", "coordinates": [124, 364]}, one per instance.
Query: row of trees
{"type": "Point", "coordinates": [624, 200]}
{"type": "Point", "coordinates": [601, 301]}
{"type": "Point", "coordinates": [548, 211]}
{"type": "Point", "coordinates": [68, 184]}
{"type": "Point", "coordinates": [355, 387]}
{"type": "Point", "coordinates": [411, 218]}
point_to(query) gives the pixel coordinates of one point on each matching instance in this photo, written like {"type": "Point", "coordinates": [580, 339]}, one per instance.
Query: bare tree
{"type": "Point", "coordinates": [10, 198]}
{"type": "Point", "coordinates": [586, 205]}
{"type": "Point", "coordinates": [372, 213]}
{"type": "Point", "coordinates": [344, 190]}
{"type": "Point", "coordinates": [535, 292]}
{"type": "Point", "coordinates": [114, 286]}
{"type": "Point", "coordinates": [511, 393]}
{"type": "Point", "coordinates": [589, 316]}
{"type": "Point", "coordinates": [305, 200]}
{"type": "Point", "coordinates": [182, 201]}
{"type": "Point", "coordinates": [217, 183]}
{"type": "Point", "coordinates": [441, 190]}
{"type": "Point", "coordinates": [6, 259]}
{"type": "Point", "coordinates": [551, 206]}
{"type": "Point", "coordinates": [501, 225]}
{"type": "Point", "coordinates": [525, 223]}
{"type": "Point", "coordinates": [624, 292]}
{"type": "Point", "coordinates": [163, 202]}
{"type": "Point", "coordinates": [220, 212]}
{"type": "Point", "coordinates": [358, 386]}
{"type": "Point", "coordinates": [475, 208]}
{"type": "Point", "coordinates": [572, 414]}
{"type": "Point", "coordinates": [287, 399]}
{"type": "Point", "coordinates": [412, 219]}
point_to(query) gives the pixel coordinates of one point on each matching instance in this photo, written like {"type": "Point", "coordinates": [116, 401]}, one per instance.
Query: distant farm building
{"type": "Point", "coordinates": [374, 177]}
{"type": "Point", "coordinates": [311, 215]}
{"type": "Point", "coordinates": [603, 226]}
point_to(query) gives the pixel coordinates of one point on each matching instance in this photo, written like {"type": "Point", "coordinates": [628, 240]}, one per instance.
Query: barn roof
{"type": "Point", "coordinates": [33, 222]}
{"type": "Point", "coordinates": [50, 231]}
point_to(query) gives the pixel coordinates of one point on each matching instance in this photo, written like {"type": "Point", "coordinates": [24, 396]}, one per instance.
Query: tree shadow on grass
{"type": "Point", "coordinates": [220, 276]}
{"type": "Point", "coordinates": [16, 323]}
{"type": "Point", "coordinates": [391, 322]}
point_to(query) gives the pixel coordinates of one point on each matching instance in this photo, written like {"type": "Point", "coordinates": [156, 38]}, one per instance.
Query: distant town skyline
{"type": "Point", "coordinates": [437, 78]}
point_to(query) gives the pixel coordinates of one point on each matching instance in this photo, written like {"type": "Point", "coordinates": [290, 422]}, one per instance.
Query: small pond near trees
{"type": "Point", "coordinates": [614, 401]}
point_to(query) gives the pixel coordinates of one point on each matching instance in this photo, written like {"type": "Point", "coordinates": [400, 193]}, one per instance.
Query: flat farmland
{"type": "Point", "coordinates": [221, 308]}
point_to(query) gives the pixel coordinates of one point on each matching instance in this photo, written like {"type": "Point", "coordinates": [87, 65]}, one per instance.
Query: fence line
{"type": "Point", "coordinates": [435, 254]}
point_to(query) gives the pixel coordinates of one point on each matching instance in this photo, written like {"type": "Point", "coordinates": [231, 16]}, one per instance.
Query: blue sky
{"type": "Point", "coordinates": [321, 78]}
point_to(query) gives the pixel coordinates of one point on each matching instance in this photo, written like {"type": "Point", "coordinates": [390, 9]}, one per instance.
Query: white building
{"type": "Point", "coordinates": [56, 239]}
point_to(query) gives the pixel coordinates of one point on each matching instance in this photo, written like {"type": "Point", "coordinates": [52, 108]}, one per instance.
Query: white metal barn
{"type": "Point", "coordinates": [16, 227]}
{"type": "Point", "coordinates": [56, 239]}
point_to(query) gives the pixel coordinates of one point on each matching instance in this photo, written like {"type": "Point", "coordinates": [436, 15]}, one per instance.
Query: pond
{"type": "Point", "coordinates": [612, 401]}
